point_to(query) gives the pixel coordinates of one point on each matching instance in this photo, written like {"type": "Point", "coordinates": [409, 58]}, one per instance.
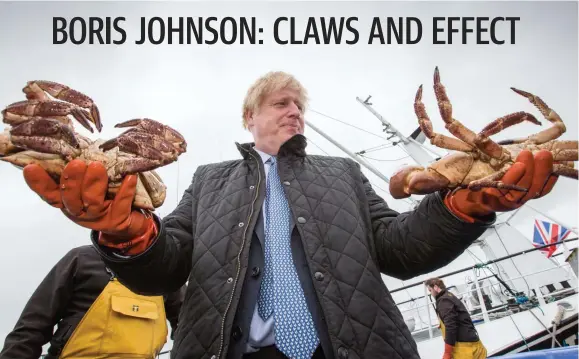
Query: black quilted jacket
{"type": "Point", "coordinates": [349, 234]}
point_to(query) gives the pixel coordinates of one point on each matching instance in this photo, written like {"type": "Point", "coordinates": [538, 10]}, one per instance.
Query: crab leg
{"type": "Point", "coordinates": [561, 150]}
{"type": "Point", "coordinates": [570, 164]}
{"type": "Point", "coordinates": [143, 144]}
{"type": "Point", "coordinates": [445, 107]}
{"type": "Point", "coordinates": [35, 90]}
{"type": "Point", "coordinates": [548, 134]}
{"type": "Point", "coordinates": [436, 139]}
{"type": "Point", "coordinates": [505, 122]}
{"type": "Point", "coordinates": [566, 155]}
{"type": "Point", "coordinates": [137, 165]}
{"type": "Point", "coordinates": [492, 181]}
{"type": "Point", "coordinates": [565, 171]}
{"type": "Point", "coordinates": [487, 146]}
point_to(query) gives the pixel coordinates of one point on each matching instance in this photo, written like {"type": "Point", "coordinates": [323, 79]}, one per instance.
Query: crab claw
{"type": "Point", "coordinates": [142, 144]}
{"type": "Point", "coordinates": [416, 180]}
{"type": "Point", "coordinates": [153, 144]}
{"type": "Point", "coordinates": [47, 136]}
{"type": "Point", "coordinates": [35, 90]}
{"type": "Point", "coordinates": [153, 127]}
{"type": "Point", "coordinates": [22, 111]}
{"type": "Point", "coordinates": [151, 151]}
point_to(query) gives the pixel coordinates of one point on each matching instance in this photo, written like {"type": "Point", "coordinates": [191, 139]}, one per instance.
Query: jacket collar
{"type": "Point", "coordinates": [294, 147]}
{"type": "Point", "coordinates": [442, 292]}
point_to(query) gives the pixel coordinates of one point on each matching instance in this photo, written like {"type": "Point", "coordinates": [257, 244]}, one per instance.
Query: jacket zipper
{"type": "Point", "coordinates": [239, 256]}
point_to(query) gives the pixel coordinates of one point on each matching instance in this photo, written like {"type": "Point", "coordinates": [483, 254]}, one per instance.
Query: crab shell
{"type": "Point", "coordinates": [150, 192]}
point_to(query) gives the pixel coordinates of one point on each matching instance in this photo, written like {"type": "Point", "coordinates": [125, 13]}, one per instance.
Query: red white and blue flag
{"type": "Point", "coordinates": [548, 233]}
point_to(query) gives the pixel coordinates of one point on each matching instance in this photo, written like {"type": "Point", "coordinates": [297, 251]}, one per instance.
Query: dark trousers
{"type": "Point", "coordinates": [272, 352]}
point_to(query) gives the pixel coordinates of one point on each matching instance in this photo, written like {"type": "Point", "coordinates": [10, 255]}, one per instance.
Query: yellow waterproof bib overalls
{"type": "Point", "coordinates": [119, 324]}
{"type": "Point", "coordinates": [466, 350]}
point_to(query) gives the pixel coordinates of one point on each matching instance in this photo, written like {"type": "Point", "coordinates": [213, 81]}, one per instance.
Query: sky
{"type": "Point", "coordinates": [199, 90]}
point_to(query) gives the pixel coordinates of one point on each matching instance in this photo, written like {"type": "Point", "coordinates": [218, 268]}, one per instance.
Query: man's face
{"type": "Point", "coordinates": [279, 117]}
{"type": "Point", "coordinates": [433, 290]}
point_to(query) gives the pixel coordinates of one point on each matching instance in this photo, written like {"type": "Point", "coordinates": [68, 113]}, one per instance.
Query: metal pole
{"type": "Point", "coordinates": [386, 123]}
{"type": "Point", "coordinates": [483, 307]}
{"type": "Point", "coordinates": [428, 311]}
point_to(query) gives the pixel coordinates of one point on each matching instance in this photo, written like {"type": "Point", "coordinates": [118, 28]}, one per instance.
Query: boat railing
{"type": "Point", "coordinates": [517, 301]}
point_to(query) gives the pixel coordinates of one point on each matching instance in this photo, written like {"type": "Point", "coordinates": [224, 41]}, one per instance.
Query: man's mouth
{"type": "Point", "coordinates": [290, 125]}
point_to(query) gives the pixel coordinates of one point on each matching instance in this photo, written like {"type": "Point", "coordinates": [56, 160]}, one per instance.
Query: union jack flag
{"type": "Point", "coordinates": [547, 233]}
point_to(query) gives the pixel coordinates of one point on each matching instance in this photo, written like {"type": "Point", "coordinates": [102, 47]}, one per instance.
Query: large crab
{"type": "Point", "coordinates": [478, 161]}
{"type": "Point", "coordinates": [41, 132]}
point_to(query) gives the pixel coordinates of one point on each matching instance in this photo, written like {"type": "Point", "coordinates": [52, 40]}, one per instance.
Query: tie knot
{"type": "Point", "coordinates": [272, 160]}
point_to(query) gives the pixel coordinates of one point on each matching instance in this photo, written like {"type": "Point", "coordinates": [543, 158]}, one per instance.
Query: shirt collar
{"type": "Point", "coordinates": [264, 156]}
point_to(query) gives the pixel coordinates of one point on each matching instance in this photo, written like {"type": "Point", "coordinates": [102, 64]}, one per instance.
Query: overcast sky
{"type": "Point", "coordinates": [199, 89]}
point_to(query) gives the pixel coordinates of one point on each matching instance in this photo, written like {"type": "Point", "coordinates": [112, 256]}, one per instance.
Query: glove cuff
{"type": "Point", "coordinates": [134, 245]}
{"type": "Point", "coordinates": [448, 348]}
{"type": "Point", "coordinates": [142, 242]}
{"type": "Point", "coordinates": [449, 202]}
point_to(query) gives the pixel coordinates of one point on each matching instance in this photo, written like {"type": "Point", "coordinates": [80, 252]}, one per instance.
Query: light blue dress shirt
{"type": "Point", "coordinates": [261, 332]}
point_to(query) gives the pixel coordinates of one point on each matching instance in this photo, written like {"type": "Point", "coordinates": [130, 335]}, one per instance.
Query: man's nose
{"type": "Point", "coordinates": [294, 110]}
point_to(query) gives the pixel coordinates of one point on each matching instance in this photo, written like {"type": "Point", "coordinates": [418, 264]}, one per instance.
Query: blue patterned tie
{"type": "Point", "coordinates": [281, 291]}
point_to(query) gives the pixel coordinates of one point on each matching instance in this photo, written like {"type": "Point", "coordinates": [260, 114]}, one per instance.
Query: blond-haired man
{"type": "Point", "coordinates": [283, 251]}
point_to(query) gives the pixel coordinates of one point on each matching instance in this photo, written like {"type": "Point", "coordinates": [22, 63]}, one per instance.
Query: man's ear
{"type": "Point", "coordinates": [249, 119]}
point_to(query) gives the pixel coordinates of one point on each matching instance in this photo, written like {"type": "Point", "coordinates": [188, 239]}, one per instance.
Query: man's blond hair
{"type": "Point", "coordinates": [265, 85]}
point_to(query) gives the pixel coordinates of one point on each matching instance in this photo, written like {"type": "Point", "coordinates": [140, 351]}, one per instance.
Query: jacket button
{"type": "Point", "coordinates": [319, 276]}
{"type": "Point", "coordinates": [342, 353]}
{"type": "Point", "coordinates": [214, 357]}
{"type": "Point", "coordinates": [301, 220]}
{"type": "Point", "coordinates": [255, 272]}
{"type": "Point", "coordinates": [236, 334]}
{"type": "Point", "coordinates": [286, 183]}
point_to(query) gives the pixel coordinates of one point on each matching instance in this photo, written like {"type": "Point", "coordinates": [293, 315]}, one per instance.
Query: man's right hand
{"type": "Point", "coordinates": [448, 349]}
{"type": "Point", "coordinates": [81, 197]}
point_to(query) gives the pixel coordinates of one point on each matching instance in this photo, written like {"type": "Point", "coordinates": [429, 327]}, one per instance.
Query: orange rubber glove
{"type": "Point", "coordinates": [81, 197]}
{"type": "Point", "coordinates": [447, 351]}
{"type": "Point", "coordinates": [532, 173]}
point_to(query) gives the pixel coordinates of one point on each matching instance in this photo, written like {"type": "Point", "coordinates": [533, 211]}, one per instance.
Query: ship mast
{"type": "Point", "coordinates": [410, 145]}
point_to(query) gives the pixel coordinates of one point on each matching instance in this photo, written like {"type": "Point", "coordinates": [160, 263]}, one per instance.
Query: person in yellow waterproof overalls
{"type": "Point", "coordinates": [461, 340]}
{"type": "Point", "coordinates": [97, 316]}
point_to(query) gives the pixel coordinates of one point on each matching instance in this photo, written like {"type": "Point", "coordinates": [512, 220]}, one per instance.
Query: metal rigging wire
{"type": "Point", "coordinates": [361, 153]}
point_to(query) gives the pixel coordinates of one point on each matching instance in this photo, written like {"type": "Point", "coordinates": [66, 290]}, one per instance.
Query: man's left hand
{"type": "Point", "coordinates": [533, 173]}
